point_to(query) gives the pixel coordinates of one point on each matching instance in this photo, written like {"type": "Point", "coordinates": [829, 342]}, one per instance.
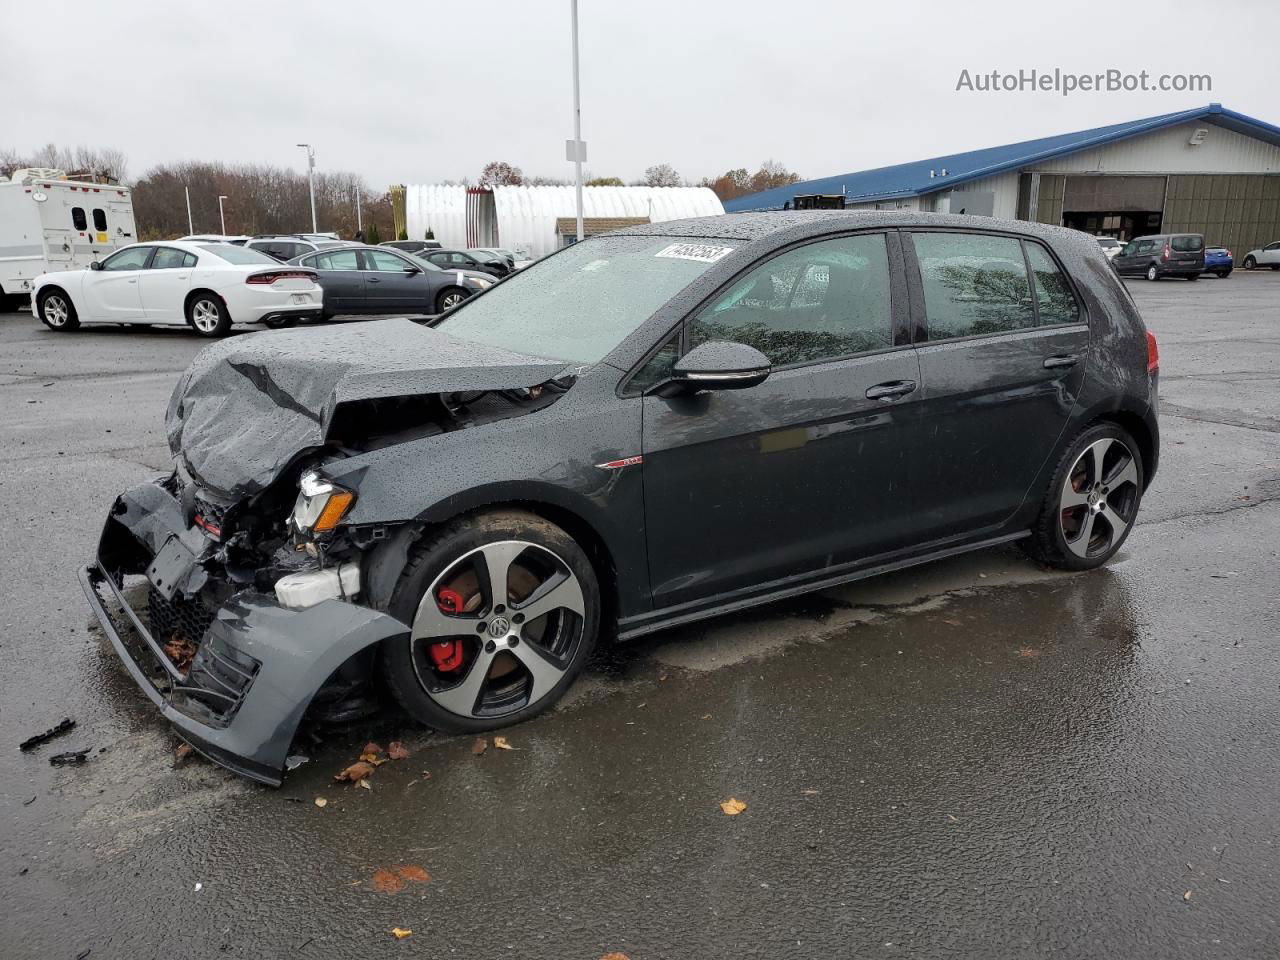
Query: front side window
{"type": "Point", "coordinates": [1146, 246]}
{"type": "Point", "coordinates": [816, 302]}
{"type": "Point", "coordinates": [973, 284]}
{"type": "Point", "coordinates": [1054, 298]}
{"type": "Point", "coordinates": [167, 258]}
{"type": "Point", "coordinates": [659, 367]}
{"type": "Point", "coordinates": [1130, 249]}
{"type": "Point", "coordinates": [78, 219]}
{"type": "Point", "coordinates": [581, 303]}
{"type": "Point", "coordinates": [132, 258]}
{"type": "Point", "coordinates": [385, 262]}
{"type": "Point", "coordinates": [99, 220]}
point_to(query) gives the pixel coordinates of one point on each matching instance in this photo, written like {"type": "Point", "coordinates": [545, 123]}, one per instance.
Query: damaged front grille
{"type": "Point", "coordinates": [182, 619]}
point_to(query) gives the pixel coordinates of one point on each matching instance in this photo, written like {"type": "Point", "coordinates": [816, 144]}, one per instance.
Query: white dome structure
{"type": "Point", "coordinates": [524, 219]}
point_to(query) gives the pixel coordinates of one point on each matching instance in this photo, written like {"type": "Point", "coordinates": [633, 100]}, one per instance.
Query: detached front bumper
{"type": "Point", "coordinates": [258, 664]}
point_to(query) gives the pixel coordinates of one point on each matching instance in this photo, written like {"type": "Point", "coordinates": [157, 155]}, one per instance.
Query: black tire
{"type": "Point", "coordinates": [1276, 266]}
{"type": "Point", "coordinates": [11, 302]}
{"type": "Point", "coordinates": [449, 298]}
{"type": "Point", "coordinates": [1152, 272]}
{"type": "Point", "coordinates": [407, 667]}
{"type": "Point", "coordinates": [1223, 274]}
{"type": "Point", "coordinates": [56, 311]}
{"type": "Point", "coordinates": [207, 314]}
{"type": "Point", "coordinates": [1048, 542]}
{"type": "Point", "coordinates": [1250, 263]}
{"type": "Point", "coordinates": [1193, 276]}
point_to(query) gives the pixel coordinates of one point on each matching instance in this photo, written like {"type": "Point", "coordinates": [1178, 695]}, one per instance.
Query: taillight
{"type": "Point", "coordinates": [1228, 254]}
{"type": "Point", "coordinates": [271, 276]}
{"type": "Point", "coordinates": [1165, 255]}
{"type": "Point", "coordinates": [1153, 353]}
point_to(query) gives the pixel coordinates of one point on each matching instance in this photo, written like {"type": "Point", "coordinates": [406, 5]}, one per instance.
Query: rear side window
{"type": "Point", "coordinates": [973, 284]}
{"type": "Point", "coordinates": [168, 258]}
{"type": "Point", "coordinates": [816, 302]}
{"type": "Point", "coordinates": [99, 220]}
{"type": "Point", "coordinates": [1187, 244]}
{"type": "Point", "coordinates": [1054, 298]}
{"type": "Point", "coordinates": [78, 219]}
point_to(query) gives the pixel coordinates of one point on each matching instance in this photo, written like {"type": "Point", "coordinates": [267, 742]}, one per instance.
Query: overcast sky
{"type": "Point", "coordinates": [421, 92]}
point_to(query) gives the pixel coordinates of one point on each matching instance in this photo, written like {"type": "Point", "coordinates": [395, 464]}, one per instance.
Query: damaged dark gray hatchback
{"type": "Point", "coordinates": [647, 428]}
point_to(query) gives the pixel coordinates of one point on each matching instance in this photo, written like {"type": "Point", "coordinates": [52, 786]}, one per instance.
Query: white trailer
{"type": "Point", "coordinates": [48, 222]}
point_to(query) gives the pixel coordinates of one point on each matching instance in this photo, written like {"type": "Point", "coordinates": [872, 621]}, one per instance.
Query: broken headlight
{"type": "Point", "coordinates": [320, 505]}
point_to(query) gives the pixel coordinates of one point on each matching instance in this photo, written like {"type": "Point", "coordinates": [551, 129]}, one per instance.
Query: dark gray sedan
{"type": "Point", "coordinates": [376, 280]}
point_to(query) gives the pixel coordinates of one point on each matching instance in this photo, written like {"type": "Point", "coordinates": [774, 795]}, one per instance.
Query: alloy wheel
{"type": "Point", "coordinates": [498, 630]}
{"type": "Point", "coordinates": [55, 311]}
{"type": "Point", "coordinates": [451, 300]}
{"type": "Point", "coordinates": [1099, 498]}
{"type": "Point", "coordinates": [204, 314]}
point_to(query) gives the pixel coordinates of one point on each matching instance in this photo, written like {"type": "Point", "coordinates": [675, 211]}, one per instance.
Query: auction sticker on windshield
{"type": "Point", "coordinates": [701, 252]}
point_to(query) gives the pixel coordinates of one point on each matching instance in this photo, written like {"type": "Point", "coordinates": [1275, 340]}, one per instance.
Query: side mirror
{"type": "Point", "coordinates": [410, 271]}
{"type": "Point", "coordinates": [96, 265]}
{"type": "Point", "coordinates": [718, 365]}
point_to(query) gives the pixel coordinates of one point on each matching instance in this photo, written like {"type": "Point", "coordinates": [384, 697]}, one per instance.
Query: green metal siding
{"type": "Point", "coordinates": [1239, 211]}
{"type": "Point", "coordinates": [1049, 204]}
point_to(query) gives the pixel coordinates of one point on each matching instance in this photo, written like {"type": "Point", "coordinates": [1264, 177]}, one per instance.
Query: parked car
{"type": "Point", "coordinates": [486, 262]}
{"type": "Point", "coordinates": [284, 248]}
{"type": "Point", "coordinates": [656, 426]}
{"type": "Point", "coordinates": [1162, 255]}
{"type": "Point", "coordinates": [411, 246]}
{"type": "Point", "coordinates": [1268, 256]}
{"type": "Point", "coordinates": [1110, 246]}
{"type": "Point", "coordinates": [208, 286]}
{"type": "Point", "coordinates": [1217, 260]}
{"type": "Point", "coordinates": [378, 280]}
{"type": "Point", "coordinates": [505, 254]}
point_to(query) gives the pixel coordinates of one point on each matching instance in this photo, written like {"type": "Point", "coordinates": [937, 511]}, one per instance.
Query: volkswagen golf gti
{"type": "Point", "coordinates": [645, 429]}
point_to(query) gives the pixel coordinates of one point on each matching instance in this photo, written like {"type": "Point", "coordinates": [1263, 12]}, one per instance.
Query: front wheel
{"type": "Point", "coordinates": [505, 610]}
{"type": "Point", "coordinates": [1223, 274]}
{"type": "Point", "coordinates": [1250, 263]}
{"type": "Point", "coordinates": [1092, 501]}
{"type": "Point", "coordinates": [208, 315]}
{"type": "Point", "coordinates": [57, 311]}
{"type": "Point", "coordinates": [449, 299]}
{"type": "Point", "coordinates": [1153, 273]}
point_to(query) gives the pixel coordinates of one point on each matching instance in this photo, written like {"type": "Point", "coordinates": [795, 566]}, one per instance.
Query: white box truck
{"type": "Point", "coordinates": [49, 222]}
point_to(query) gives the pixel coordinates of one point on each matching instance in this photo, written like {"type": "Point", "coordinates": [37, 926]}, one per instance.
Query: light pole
{"type": "Point", "coordinates": [359, 223]}
{"type": "Point", "coordinates": [311, 182]}
{"type": "Point", "coordinates": [191, 227]}
{"type": "Point", "coordinates": [578, 153]}
{"type": "Point", "coordinates": [222, 217]}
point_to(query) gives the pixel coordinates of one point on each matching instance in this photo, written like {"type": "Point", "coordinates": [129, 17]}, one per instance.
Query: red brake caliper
{"type": "Point", "coordinates": [447, 654]}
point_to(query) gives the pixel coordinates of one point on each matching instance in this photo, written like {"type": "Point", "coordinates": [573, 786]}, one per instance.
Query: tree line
{"type": "Point", "coordinates": [730, 184]}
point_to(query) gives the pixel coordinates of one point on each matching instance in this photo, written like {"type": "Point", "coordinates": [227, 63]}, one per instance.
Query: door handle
{"type": "Point", "coordinates": [373, 279]}
{"type": "Point", "coordinates": [1063, 360]}
{"type": "Point", "coordinates": [891, 390]}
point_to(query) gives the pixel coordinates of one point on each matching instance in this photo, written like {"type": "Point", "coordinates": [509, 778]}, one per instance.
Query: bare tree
{"type": "Point", "coordinates": [661, 175]}
{"type": "Point", "coordinates": [499, 173]}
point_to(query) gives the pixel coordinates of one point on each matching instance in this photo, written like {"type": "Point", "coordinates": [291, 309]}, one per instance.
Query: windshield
{"type": "Point", "coordinates": [578, 305]}
{"type": "Point", "coordinates": [231, 254]}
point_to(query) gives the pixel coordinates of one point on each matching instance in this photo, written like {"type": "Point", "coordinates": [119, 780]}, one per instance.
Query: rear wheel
{"type": "Point", "coordinates": [1092, 501]}
{"type": "Point", "coordinates": [1193, 276]}
{"type": "Point", "coordinates": [449, 299]}
{"type": "Point", "coordinates": [505, 609]}
{"type": "Point", "coordinates": [57, 311]}
{"type": "Point", "coordinates": [1153, 273]}
{"type": "Point", "coordinates": [208, 315]}
{"type": "Point", "coordinates": [1250, 263]}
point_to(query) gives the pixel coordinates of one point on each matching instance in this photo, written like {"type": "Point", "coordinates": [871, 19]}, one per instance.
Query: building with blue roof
{"type": "Point", "coordinates": [1206, 170]}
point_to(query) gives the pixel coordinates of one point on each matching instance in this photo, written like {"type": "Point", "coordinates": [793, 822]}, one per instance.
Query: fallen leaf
{"type": "Point", "coordinates": [501, 743]}
{"type": "Point", "coordinates": [384, 881]}
{"type": "Point", "coordinates": [397, 751]}
{"type": "Point", "coordinates": [357, 772]}
{"type": "Point", "coordinates": [372, 758]}
{"type": "Point", "coordinates": [615, 956]}
{"type": "Point", "coordinates": [480, 746]}
{"type": "Point", "coordinates": [400, 933]}
{"type": "Point", "coordinates": [809, 793]}
{"type": "Point", "coordinates": [1028, 652]}
{"type": "Point", "coordinates": [321, 802]}
{"type": "Point", "coordinates": [364, 784]}
{"type": "Point", "coordinates": [371, 747]}
{"type": "Point", "coordinates": [183, 751]}
{"type": "Point", "coordinates": [1187, 895]}
{"type": "Point", "coordinates": [953, 819]}
{"type": "Point", "coordinates": [181, 651]}
{"type": "Point", "coordinates": [412, 872]}
{"type": "Point", "coordinates": [732, 807]}
{"type": "Point", "coordinates": [706, 716]}
{"type": "Point", "coordinates": [953, 623]}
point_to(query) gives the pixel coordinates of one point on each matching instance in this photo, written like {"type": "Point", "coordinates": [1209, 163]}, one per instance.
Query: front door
{"type": "Point", "coordinates": [113, 293]}
{"type": "Point", "coordinates": [392, 283]}
{"type": "Point", "coordinates": [808, 471]}
{"type": "Point", "coordinates": [1001, 365]}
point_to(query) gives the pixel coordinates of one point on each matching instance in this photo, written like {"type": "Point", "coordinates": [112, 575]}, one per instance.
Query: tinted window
{"type": "Point", "coordinates": [386, 262]}
{"type": "Point", "coordinates": [338, 260]}
{"type": "Point", "coordinates": [167, 258]}
{"type": "Point", "coordinates": [1053, 294]}
{"type": "Point", "coordinates": [238, 255]}
{"type": "Point", "coordinates": [131, 258]}
{"type": "Point", "coordinates": [1188, 244]}
{"type": "Point", "coordinates": [77, 218]}
{"type": "Point", "coordinates": [99, 220]}
{"type": "Point", "coordinates": [440, 258]}
{"type": "Point", "coordinates": [1130, 249]}
{"type": "Point", "coordinates": [1146, 246]}
{"type": "Point", "coordinates": [973, 284]}
{"type": "Point", "coordinates": [819, 301]}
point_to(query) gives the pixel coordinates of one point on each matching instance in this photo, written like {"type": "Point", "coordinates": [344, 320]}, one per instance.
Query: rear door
{"type": "Point", "coordinates": [1003, 347]}
{"type": "Point", "coordinates": [341, 278]}
{"type": "Point", "coordinates": [808, 471]}
{"type": "Point", "coordinates": [165, 283]}
{"type": "Point", "coordinates": [113, 293]}
{"type": "Point", "coordinates": [392, 282]}
{"type": "Point", "coordinates": [1186, 250]}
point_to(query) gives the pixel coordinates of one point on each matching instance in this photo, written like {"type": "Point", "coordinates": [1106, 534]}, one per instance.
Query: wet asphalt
{"type": "Point", "coordinates": [977, 758]}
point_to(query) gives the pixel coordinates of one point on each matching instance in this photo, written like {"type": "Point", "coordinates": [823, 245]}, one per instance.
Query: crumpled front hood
{"type": "Point", "coordinates": [249, 406]}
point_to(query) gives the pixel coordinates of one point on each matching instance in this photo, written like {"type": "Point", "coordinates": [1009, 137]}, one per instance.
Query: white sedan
{"type": "Point", "coordinates": [206, 285]}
